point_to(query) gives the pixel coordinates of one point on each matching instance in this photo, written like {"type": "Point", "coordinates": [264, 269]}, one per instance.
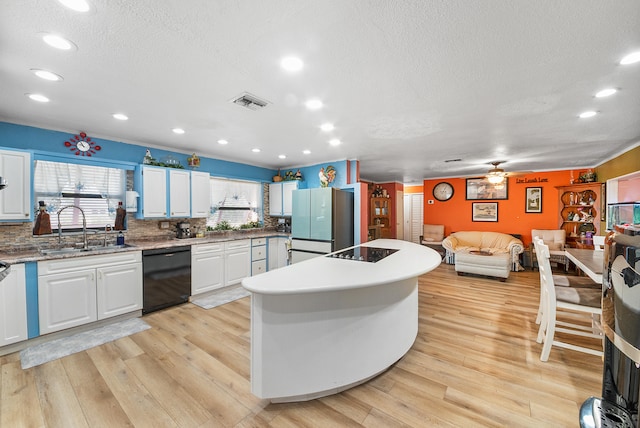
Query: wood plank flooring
{"type": "Point", "coordinates": [475, 363]}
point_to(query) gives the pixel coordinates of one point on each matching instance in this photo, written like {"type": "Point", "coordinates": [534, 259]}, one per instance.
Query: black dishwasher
{"type": "Point", "coordinates": [167, 277]}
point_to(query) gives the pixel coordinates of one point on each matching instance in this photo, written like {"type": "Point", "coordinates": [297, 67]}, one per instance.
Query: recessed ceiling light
{"type": "Point", "coordinates": [306, 152]}
{"type": "Point", "coordinates": [606, 92]}
{"type": "Point", "coordinates": [223, 142]}
{"type": "Point", "coordinates": [631, 58]}
{"type": "Point", "coordinates": [282, 156]}
{"type": "Point", "coordinates": [291, 63]}
{"type": "Point", "coordinates": [178, 131]}
{"type": "Point", "coordinates": [587, 114]}
{"type": "Point", "coordinates": [58, 42]}
{"type": "Point", "coordinates": [77, 5]}
{"type": "Point", "coordinates": [256, 150]}
{"type": "Point", "coordinates": [335, 142]}
{"type": "Point", "coordinates": [314, 104]}
{"type": "Point", "coordinates": [38, 97]}
{"type": "Point", "coordinates": [46, 75]}
{"type": "Point", "coordinates": [120, 116]}
{"type": "Point", "coordinates": [326, 127]}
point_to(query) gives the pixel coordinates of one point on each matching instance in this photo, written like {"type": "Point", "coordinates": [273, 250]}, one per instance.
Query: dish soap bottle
{"type": "Point", "coordinates": [120, 238]}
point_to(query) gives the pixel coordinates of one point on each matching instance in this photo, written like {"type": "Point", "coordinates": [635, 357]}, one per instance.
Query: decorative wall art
{"type": "Point", "coordinates": [484, 211]}
{"type": "Point", "coordinates": [480, 188]}
{"type": "Point", "coordinates": [327, 176]}
{"type": "Point", "coordinates": [533, 200]}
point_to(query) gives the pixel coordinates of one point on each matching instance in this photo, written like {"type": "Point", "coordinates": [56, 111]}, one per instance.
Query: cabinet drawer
{"type": "Point", "coordinates": [258, 241]}
{"type": "Point", "coordinates": [75, 263]}
{"type": "Point", "coordinates": [240, 243]}
{"type": "Point", "coordinates": [207, 248]}
{"type": "Point", "coordinates": [258, 253]}
{"type": "Point", "coordinates": [259, 266]}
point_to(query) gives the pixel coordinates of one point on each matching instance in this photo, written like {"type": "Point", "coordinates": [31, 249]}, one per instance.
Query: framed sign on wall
{"type": "Point", "coordinates": [484, 211]}
{"type": "Point", "coordinates": [480, 188]}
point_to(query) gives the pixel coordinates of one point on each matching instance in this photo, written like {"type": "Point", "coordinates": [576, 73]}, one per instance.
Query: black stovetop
{"type": "Point", "coordinates": [364, 254]}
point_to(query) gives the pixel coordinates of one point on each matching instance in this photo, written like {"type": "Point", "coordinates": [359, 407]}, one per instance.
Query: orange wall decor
{"type": "Point", "coordinates": [455, 213]}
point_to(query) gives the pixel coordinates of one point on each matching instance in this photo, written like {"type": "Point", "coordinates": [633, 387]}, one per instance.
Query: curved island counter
{"type": "Point", "coordinates": [327, 324]}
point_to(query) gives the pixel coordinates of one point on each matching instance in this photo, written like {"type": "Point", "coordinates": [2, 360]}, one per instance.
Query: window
{"type": "Point", "coordinates": [236, 202]}
{"type": "Point", "coordinates": [95, 189]}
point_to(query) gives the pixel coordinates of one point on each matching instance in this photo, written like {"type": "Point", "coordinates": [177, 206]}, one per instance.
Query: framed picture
{"type": "Point", "coordinates": [533, 201]}
{"type": "Point", "coordinates": [603, 205]}
{"type": "Point", "coordinates": [480, 188]}
{"type": "Point", "coordinates": [484, 211]}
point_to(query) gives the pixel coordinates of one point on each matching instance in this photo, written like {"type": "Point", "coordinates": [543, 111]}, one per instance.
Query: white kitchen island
{"type": "Point", "coordinates": [327, 324]}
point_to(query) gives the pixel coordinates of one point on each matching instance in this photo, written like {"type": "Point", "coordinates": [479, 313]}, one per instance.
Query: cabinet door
{"type": "Point", "coordinates": [277, 253]}
{"type": "Point", "coordinates": [66, 300]}
{"type": "Point", "coordinates": [207, 271]}
{"type": "Point", "coordinates": [15, 199]}
{"type": "Point", "coordinates": [13, 306]}
{"type": "Point", "coordinates": [237, 265]}
{"type": "Point", "coordinates": [154, 192]}
{"type": "Point", "coordinates": [321, 214]}
{"type": "Point", "coordinates": [200, 194]}
{"type": "Point", "coordinates": [301, 217]}
{"type": "Point", "coordinates": [179, 193]}
{"type": "Point", "coordinates": [287, 197]}
{"type": "Point", "coordinates": [119, 290]}
{"type": "Point", "coordinates": [275, 199]}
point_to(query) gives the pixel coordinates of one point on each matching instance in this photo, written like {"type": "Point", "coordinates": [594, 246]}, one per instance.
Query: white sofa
{"type": "Point", "coordinates": [507, 248]}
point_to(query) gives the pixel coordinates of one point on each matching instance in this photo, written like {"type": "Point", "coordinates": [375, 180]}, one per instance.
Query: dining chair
{"type": "Point", "coordinates": [598, 242]}
{"type": "Point", "coordinates": [555, 239]}
{"type": "Point", "coordinates": [562, 281]}
{"type": "Point", "coordinates": [577, 303]}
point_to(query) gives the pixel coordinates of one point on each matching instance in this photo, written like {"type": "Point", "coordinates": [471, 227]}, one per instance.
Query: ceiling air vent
{"type": "Point", "coordinates": [250, 101]}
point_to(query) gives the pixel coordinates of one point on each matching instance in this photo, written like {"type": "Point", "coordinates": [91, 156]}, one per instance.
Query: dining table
{"type": "Point", "coordinates": [591, 262]}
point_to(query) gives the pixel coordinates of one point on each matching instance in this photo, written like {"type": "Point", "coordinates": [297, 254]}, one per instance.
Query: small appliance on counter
{"type": "Point", "coordinates": [183, 230]}
{"type": "Point", "coordinates": [284, 225]}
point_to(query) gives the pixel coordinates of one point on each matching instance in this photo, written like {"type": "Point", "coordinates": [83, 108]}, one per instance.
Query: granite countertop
{"type": "Point", "coordinates": [34, 255]}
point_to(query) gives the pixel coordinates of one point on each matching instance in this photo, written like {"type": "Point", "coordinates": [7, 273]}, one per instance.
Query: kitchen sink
{"type": "Point", "coordinates": [75, 250]}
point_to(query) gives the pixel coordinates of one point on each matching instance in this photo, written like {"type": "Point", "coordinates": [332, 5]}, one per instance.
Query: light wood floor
{"type": "Point", "coordinates": [475, 363]}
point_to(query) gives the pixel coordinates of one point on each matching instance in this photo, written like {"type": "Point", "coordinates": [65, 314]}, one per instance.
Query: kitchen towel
{"type": "Point", "coordinates": [225, 295]}
{"type": "Point", "coordinates": [58, 348]}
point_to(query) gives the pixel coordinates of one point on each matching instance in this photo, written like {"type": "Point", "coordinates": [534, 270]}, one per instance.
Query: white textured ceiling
{"type": "Point", "coordinates": [408, 84]}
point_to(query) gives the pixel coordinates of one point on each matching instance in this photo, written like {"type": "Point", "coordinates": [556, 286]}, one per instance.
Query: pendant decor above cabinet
{"type": "Point", "coordinates": [82, 145]}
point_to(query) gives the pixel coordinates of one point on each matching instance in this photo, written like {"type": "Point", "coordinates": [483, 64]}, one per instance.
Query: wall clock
{"type": "Point", "coordinates": [443, 191]}
{"type": "Point", "coordinates": [82, 145]}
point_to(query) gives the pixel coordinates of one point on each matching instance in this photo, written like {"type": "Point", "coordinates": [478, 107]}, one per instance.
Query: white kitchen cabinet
{"type": "Point", "coordinates": [200, 194]}
{"type": "Point", "coordinates": [119, 289]}
{"type": "Point", "coordinates": [80, 290]}
{"type": "Point", "coordinates": [278, 253]}
{"type": "Point", "coordinates": [237, 260]}
{"type": "Point", "coordinates": [258, 256]}
{"type": "Point", "coordinates": [154, 192]}
{"type": "Point", "coordinates": [13, 306]}
{"type": "Point", "coordinates": [207, 267]}
{"type": "Point", "coordinates": [280, 198]}
{"type": "Point", "coordinates": [179, 193]}
{"type": "Point", "coordinates": [15, 199]}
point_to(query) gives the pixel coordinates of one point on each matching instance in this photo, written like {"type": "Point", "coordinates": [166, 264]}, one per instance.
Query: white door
{"type": "Point", "coordinates": [13, 306]}
{"type": "Point", "coordinates": [15, 199]}
{"type": "Point", "coordinates": [287, 197]}
{"type": "Point", "coordinates": [200, 194]}
{"type": "Point", "coordinates": [414, 215]}
{"type": "Point", "coordinates": [179, 193]}
{"type": "Point", "coordinates": [154, 192]}
{"type": "Point", "coordinates": [66, 300]}
{"type": "Point", "coordinates": [275, 199]}
{"type": "Point", "coordinates": [237, 265]}
{"type": "Point", "coordinates": [399, 214]}
{"type": "Point", "coordinates": [207, 268]}
{"type": "Point", "coordinates": [119, 290]}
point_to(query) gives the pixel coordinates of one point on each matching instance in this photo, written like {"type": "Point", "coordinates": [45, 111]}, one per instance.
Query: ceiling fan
{"type": "Point", "coordinates": [496, 175]}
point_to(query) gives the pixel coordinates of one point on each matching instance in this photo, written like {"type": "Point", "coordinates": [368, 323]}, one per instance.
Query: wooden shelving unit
{"type": "Point", "coordinates": [380, 215]}
{"type": "Point", "coordinates": [579, 210]}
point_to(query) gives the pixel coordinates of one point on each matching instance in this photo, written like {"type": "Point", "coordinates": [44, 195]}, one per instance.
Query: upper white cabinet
{"type": "Point", "coordinates": [13, 306]}
{"type": "Point", "coordinates": [200, 194]}
{"type": "Point", "coordinates": [179, 193]}
{"type": "Point", "coordinates": [154, 192]}
{"type": "Point", "coordinates": [280, 198]}
{"type": "Point", "coordinates": [166, 192]}
{"type": "Point", "coordinates": [15, 199]}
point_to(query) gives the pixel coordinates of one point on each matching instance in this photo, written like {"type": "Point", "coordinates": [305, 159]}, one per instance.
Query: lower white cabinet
{"type": "Point", "coordinates": [207, 267]}
{"type": "Point", "coordinates": [278, 254]}
{"type": "Point", "coordinates": [237, 261]}
{"type": "Point", "coordinates": [13, 306]}
{"type": "Point", "coordinates": [80, 290]}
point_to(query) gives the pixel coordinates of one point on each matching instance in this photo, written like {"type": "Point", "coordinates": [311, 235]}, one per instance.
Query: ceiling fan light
{"type": "Point", "coordinates": [494, 178]}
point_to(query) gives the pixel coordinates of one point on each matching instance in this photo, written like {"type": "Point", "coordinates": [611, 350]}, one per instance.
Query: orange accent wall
{"type": "Point", "coordinates": [455, 213]}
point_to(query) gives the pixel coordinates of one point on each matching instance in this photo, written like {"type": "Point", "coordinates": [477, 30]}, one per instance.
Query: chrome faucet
{"type": "Point", "coordinates": [85, 243]}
